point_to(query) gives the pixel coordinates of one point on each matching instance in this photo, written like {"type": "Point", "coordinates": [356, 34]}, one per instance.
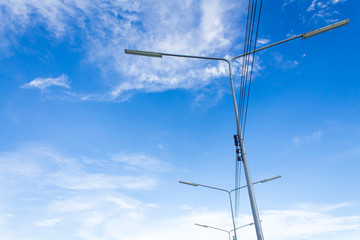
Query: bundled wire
{"type": "Point", "coordinates": [251, 34]}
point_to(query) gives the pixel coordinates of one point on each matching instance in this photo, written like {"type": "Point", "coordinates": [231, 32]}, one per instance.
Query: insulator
{"type": "Point", "coordinates": [239, 158]}
{"type": "Point", "coordinates": [237, 150]}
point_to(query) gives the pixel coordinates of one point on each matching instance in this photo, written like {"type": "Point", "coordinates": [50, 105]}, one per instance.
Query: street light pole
{"type": "Point", "coordinates": [229, 194]}
{"type": "Point", "coordinates": [253, 204]}
{"type": "Point", "coordinates": [220, 189]}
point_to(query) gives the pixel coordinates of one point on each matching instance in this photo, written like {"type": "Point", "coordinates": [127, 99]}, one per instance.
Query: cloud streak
{"type": "Point", "coordinates": [140, 162]}
{"type": "Point", "coordinates": [44, 83]}
{"type": "Point", "coordinates": [314, 137]}
{"type": "Point", "coordinates": [37, 162]}
{"type": "Point", "coordinates": [106, 28]}
{"type": "Point", "coordinates": [86, 204]}
{"type": "Point", "coordinates": [318, 10]}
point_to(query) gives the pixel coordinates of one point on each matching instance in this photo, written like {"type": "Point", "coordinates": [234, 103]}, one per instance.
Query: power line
{"type": "Point", "coordinates": [251, 34]}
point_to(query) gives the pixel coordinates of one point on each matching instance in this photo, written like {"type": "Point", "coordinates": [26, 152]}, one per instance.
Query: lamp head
{"type": "Point", "coordinates": [325, 29]}
{"type": "Point", "coordinates": [143, 53]}
{"type": "Point", "coordinates": [191, 184]}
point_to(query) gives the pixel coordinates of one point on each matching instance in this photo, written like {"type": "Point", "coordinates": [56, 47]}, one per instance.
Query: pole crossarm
{"type": "Point", "coordinates": [160, 55]}
{"type": "Point", "coordinates": [206, 226]}
{"type": "Point", "coordinates": [261, 181]}
{"type": "Point", "coordinates": [229, 191]}
{"type": "Point", "coordinates": [220, 229]}
{"type": "Point", "coordinates": [266, 47]}
{"type": "Point", "coordinates": [303, 36]}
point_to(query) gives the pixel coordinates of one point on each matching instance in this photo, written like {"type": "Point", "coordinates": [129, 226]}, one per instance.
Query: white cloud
{"type": "Point", "coordinates": [68, 196]}
{"type": "Point", "coordinates": [277, 224]}
{"type": "Point", "coordinates": [312, 6]}
{"type": "Point", "coordinates": [290, 34]}
{"type": "Point", "coordinates": [322, 208]}
{"type": "Point", "coordinates": [89, 181]}
{"type": "Point", "coordinates": [37, 162]}
{"type": "Point", "coordinates": [348, 155]}
{"type": "Point", "coordinates": [44, 83]}
{"type": "Point", "coordinates": [183, 207]}
{"type": "Point", "coordinates": [208, 99]}
{"type": "Point", "coordinates": [287, 2]}
{"type": "Point", "coordinates": [263, 41]}
{"type": "Point", "coordinates": [284, 63]}
{"type": "Point", "coordinates": [92, 203]}
{"type": "Point", "coordinates": [48, 222]}
{"type": "Point", "coordinates": [91, 212]}
{"type": "Point", "coordinates": [301, 224]}
{"type": "Point", "coordinates": [106, 28]}
{"type": "Point", "coordinates": [314, 137]}
{"type": "Point", "coordinates": [322, 10]}
{"type": "Point", "coordinates": [140, 161]}
{"type": "Point", "coordinates": [317, 11]}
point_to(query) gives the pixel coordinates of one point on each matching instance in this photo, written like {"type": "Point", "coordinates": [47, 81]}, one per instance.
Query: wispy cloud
{"type": "Point", "coordinates": [282, 63]}
{"type": "Point", "coordinates": [323, 208]}
{"type": "Point", "coordinates": [91, 181]}
{"type": "Point", "coordinates": [140, 161]}
{"type": "Point", "coordinates": [37, 162]}
{"type": "Point", "coordinates": [348, 155]}
{"type": "Point", "coordinates": [285, 224]}
{"type": "Point", "coordinates": [44, 83]}
{"type": "Point", "coordinates": [322, 10]}
{"type": "Point", "coordinates": [263, 41]}
{"type": "Point", "coordinates": [106, 28]}
{"type": "Point", "coordinates": [81, 208]}
{"type": "Point", "coordinates": [287, 2]}
{"type": "Point", "coordinates": [314, 137]}
{"type": "Point", "coordinates": [321, 4]}
{"type": "Point", "coordinates": [48, 222]}
{"type": "Point", "coordinates": [206, 99]}
{"type": "Point", "coordinates": [317, 10]}
{"type": "Point", "coordinates": [58, 193]}
{"type": "Point", "coordinates": [277, 224]}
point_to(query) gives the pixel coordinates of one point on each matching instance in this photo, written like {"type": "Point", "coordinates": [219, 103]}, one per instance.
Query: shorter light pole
{"type": "Point", "coordinates": [220, 229]}
{"type": "Point", "coordinates": [229, 194]}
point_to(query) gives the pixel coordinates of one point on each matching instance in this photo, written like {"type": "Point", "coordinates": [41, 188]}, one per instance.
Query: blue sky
{"type": "Point", "coordinates": [93, 141]}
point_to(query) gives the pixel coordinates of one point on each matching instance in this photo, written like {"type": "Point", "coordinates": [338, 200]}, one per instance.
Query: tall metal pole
{"type": "Point", "coordinates": [254, 209]}
{"type": "Point", "coordinates": [253, 204]}
{"type": "Point", "coordinates": [232, 214]}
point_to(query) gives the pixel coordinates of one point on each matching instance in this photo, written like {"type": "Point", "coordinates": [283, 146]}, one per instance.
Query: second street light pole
{"type": "Point", "coordinates": [253, 204]}
{"type": "Point", "coordinates": [229, 194]}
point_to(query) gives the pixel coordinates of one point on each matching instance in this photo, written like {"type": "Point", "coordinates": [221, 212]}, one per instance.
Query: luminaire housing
{"type": "Point", "coordinates": [269, 179]}
{"type": "Point", "coordinates": [143, 53]}
{"type": "Point", "coordinates": [188, 183]}
{"type": "Point", "coordinates": [325, 29]}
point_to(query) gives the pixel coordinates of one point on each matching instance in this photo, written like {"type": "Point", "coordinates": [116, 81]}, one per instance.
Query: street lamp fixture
{"type": "Point", "coordinates": [325, 29]}
{"type": "Point", "coordinates": [253, 204]}
{"type": "Point", "coordinates": [143, 53]}
{"type": "Point", "coordinates": [192, 184]}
